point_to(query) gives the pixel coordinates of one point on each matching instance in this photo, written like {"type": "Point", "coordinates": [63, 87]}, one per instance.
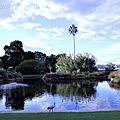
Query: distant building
{"type": "Point", "coordinates": [102, 67]}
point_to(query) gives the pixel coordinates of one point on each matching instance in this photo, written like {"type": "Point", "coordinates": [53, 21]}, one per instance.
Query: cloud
{"type": "Point", "coordinates": [29, 25]}
{"type": "Point", "coordinates": [115, 34]}
{"type": "Point", "coordinates": [103, 18]}
{"type": "Point", "coordinates": [34, 44]}
{"type": "Point", "coordinates": [96, 21]}
{"type": "Point", "coordinates": [94, 18]}
{"type": "Point", "coordinates": [43, 35]}
{"type": "Point", "coordinates": [50, 33]}
{"type": "Point", "coordinates": [108, 54]}
{"type": "Point", "coordinates": [2, 52]}
{"type": "Point", "coordinates": [114, 48]}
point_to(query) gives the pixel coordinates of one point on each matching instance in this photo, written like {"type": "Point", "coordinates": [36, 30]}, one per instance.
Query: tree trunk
{"type": "Point", "coordinates": [74, 45]}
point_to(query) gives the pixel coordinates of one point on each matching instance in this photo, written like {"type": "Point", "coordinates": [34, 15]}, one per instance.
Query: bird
{"type": "Point", "coordinates": [51, 107]}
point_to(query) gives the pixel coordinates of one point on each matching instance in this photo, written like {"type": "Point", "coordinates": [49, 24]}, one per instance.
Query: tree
{"type": "Point", "coordinates": [14, 54]}
{"type": "Point", "coordinates": [110, 67]}
{"type": "Point", "coordinates": [39, 56]}
{"type": "Point", "coordinates": [73, 30]}
{"type": "Point", "coordinates": [29, 55]}
{"type": "Point", "coordinates": [50, 63]}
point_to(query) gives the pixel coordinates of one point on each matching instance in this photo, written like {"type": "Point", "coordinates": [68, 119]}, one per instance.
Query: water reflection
{"type": "Point", "coordinates": [1, 94]}
{"type": "Point", "coordinates": [77, 91]}
{"type": "Point", "coordinates": [16, 94]}
{"type": "Point", "coordinates": [36, 94]}
{"type": "Point", "coordinates": [15, 98]}
{"type": "Point", "coordinates": [114, 86]}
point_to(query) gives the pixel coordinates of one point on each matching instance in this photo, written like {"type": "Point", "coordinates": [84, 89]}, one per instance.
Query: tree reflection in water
{"type": "Point", "coordinates": [16, 97]}
{"type": "Point", "coordinates": [114, 85]}
{"type": "Point", "coordinates": [78, 91]}
{"type": "Point", "coordinates": [1, 94]}
{"type": "Point", "coordinates": [73, 91]}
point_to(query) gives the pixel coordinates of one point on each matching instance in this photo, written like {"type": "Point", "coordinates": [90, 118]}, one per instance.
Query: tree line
{"type": "Point", "coordinates": [15, 56]}
{"type": "Point", "coordinates": [28, 62]}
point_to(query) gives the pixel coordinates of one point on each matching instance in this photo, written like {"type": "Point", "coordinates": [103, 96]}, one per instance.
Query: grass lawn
{"type": "Point", "coordinates": [110, 115]}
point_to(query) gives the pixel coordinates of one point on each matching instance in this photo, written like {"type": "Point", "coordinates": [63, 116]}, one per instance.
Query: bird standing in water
{"type": "Point", "coordinates": [51, 107]}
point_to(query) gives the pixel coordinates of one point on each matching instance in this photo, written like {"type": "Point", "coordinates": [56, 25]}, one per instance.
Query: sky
{"type": "Point", "coordinates": [42, 25]}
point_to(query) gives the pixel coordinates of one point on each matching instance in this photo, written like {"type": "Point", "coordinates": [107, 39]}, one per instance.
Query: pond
{"type": "Point", "coordinates": [35, 95]}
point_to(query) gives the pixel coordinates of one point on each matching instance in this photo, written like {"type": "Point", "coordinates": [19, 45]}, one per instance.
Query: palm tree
{"type": "Point", "coordinates": [73, 30]}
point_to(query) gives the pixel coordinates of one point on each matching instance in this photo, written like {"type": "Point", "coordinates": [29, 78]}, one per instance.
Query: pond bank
{"type": "Point", "coordinates": [54, 77]}
{"type": "Point", "coordinates": [10, 80]}
{"type": "Point", "coordinates": [23, 77]}
{"type": "Point", "coordinates": [26, 77]}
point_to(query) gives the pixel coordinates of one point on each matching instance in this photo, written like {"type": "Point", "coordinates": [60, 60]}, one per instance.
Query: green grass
{"type": "Point", "coordinates": [111, 115]}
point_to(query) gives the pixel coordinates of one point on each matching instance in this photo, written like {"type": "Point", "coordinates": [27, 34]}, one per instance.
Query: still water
{"type": "Point", "coordinates": [72, 96]}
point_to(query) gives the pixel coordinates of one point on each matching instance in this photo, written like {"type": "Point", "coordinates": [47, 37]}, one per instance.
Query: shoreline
{"type": "Point", "coordinates": [57, 111]}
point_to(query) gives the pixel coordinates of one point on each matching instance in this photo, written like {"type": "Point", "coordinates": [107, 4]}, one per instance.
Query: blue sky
{"type": "Point", "coordinates": [42, 25]}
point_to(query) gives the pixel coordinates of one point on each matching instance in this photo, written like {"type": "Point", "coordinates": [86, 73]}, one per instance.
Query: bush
{"type": "Point", "coordinates": [112, 74]}
{"type": "Point", "coordinates": [4, 76]}
{"type": "Point", "coordinates": [81, 63]}
{"type": "Point", "coordinates": [1, 64]}
{"type": "Point", "coordinates": [110, 67]}
{"type": "Point", "coordinates": [115, 76]}
{"type": "Point", "coordinates": [29, 67]}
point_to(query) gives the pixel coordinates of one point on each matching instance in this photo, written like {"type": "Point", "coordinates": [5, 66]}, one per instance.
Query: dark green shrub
{"type": "Point", "coordinates": [1, 64]}
{"type": "Point", "coordinates": [4, 76]}
{"type": "Point", "coordinates": [29, 67]}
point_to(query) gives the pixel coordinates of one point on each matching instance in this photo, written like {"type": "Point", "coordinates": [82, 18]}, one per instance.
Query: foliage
{"type": "Point", "coordinates": [110, 67]}
{"type": "Point", "coordinates": [39, 56]}
{"type": "Point", "coordinates": [112, 74]}
{"type": "Point", "coordinates": [115, 76]}
{"type": "Point", "coordinates": [81, 63]}
{"type": "Point", "coordinates": [50, 63]}
{"type": "Point", "coordinates": [86, 74]}
{"type": "Point", "coordinates": [13, 54]}
{"type": "Point", "coordinates": [73, 29]}
{"type": "Point", "coordinates": [4, 74]}
{"type": "Point", "coordinates": [65, 65]}
{"type": "Point", "coordinates": [29, 67]}
{"type": "Point", "coordinates": [28, 55]}
{"type": "Point", "coordinates": [1, 64]}
{"type": "Point", "coordinates": [14, 74]}
{"type": "Point", "coordinates": [10, 69]}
